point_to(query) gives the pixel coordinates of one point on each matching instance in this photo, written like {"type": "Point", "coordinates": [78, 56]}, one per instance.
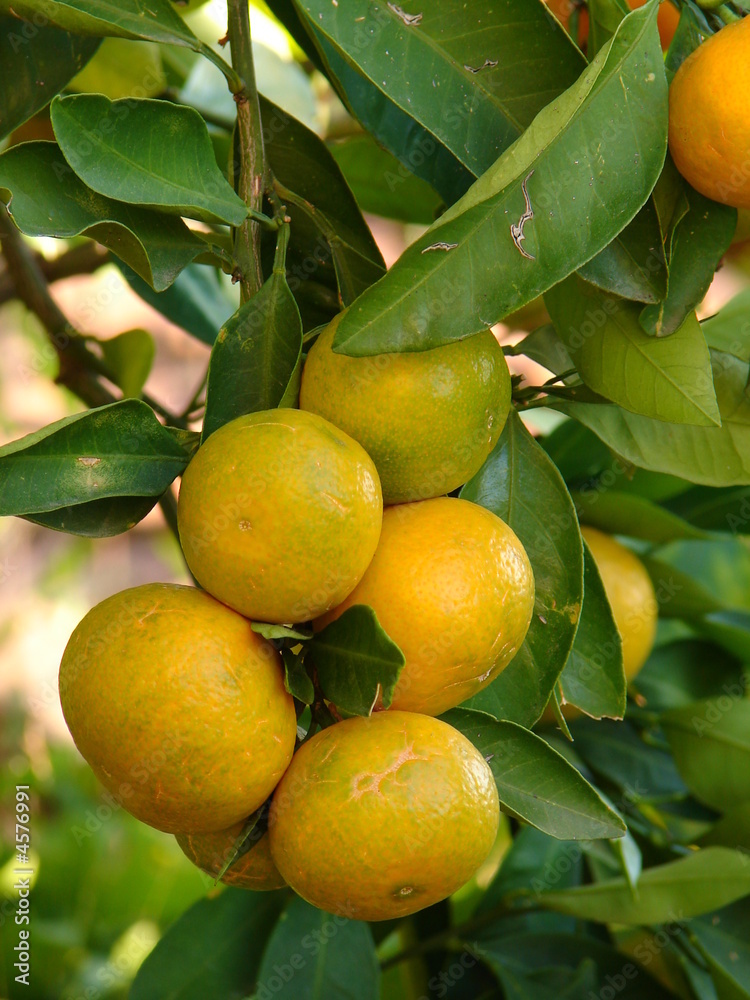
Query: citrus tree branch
{"type": "Point", "coordinates": [252, 170]}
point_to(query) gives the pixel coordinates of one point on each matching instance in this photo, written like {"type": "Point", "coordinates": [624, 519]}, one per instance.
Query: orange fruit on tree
{"type": "Point", "coordinates": [452, 585]}
{"type": "Point", "coordinates": [709, 120]}
{"type": "Point", "coordinates": [178, 707]}
{"type": "Point", "coordinates": [666, 20]}
{"type": "Point", "coordinates": [377, 818]}
{"type": "Point", "coordinates": [279, 515]}
{"type": "Point", "coordinates": [631, 596]}
{"type": "Point", "coordinates": [252, 870]}
{"type": "Point", "coordinates": [429, 419]}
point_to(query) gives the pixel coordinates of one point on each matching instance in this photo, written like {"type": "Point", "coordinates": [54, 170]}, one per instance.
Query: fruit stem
{"type": "Point", "coordinates": [252, 165]}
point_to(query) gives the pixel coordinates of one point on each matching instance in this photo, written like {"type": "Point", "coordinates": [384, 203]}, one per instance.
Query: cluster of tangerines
{"type": "Point", "coordinates": [282, 520]}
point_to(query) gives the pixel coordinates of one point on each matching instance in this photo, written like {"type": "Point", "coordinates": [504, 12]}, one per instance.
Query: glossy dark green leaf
{"type": "Point", "coordinates": [157, 21]}
{"type": "Point", "coordinates": [553, 156]}
{"type": "Point", "coordinates": [723, 939]}
{"type": "Point", "coordinates": [315, 191]}
{"type": "Point", "coordinates": [722, 509]}
{"type": "Point", "coordinates": [522, 955]}
{"type": "Point", "coordinates": [732, 830]}
{"type": "Point", "coordinates": [296, 679]}
{"type": "Point", "coordinates": [678, 594]}
{"type": "Point", "coordinates": [633, 265]}
{"type": "Point", "coordinates": [97, 518]}
{"type": "Point", "coordinates": [669, 378]}
{"type": "Point", "coordinates": [254, 356]}
{"type": "Point", "coordinates": [129, 357]}
{"type": "Point", "coordinates": [520, 484]}
{"type": "Point", "coordinates": [578, 453]}
{"type": "Point", "coordinates": [357, 663]}
{"type": "Point", "coordinates": [119, 450]}
{"type": "Point", "coordinates": [47, 199]}
{"type": "Point", "coordinates": [697, 245]}
{"type": "Point", "coordinates": [313, 955]}
{"type": "Point", "coordinates": [691, 31]}
{"type": "Point", "coordinates": [196, 300]}
{"type": "Point", "coordinates": [676, 674]}
{"type": "Point", "coordinates": [381, 184]}
{"type": "Point", "coordinates": [214, 949]}
{"type": "Point", "coordinates": [695, 884]}
{"type": "Point", "coordinates": [714, 456]}
{"type": "Point", "coordinates": [710, 741]}
{"type": "Point", "coordinates": [134, 151]}
{"type": "Point", "coordinates": [36, 62]}
{"type": "Point", "coordinates": [534, 782]}
{"type": "Point", "coordinates": [457, 72]}
{"type": "Point", "coordinates": [621, 513]}
{"type": "Point", "coordinates": [616, 752]}
{"type": "Point", "coordinates": [534, 864]}
{"type": "Point", "coordinates": [593, 678]}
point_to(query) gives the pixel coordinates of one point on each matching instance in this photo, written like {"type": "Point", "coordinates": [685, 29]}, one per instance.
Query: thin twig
{"type": "Point", "coordinates": [251, 181]}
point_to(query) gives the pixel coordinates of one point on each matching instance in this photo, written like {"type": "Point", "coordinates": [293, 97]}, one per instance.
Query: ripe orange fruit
{"type": "Point", "coordinates": [377, 818]}
{"type": "Point", "coordinates": [709, 120]}
{"type": "Point", "coordinates": [452, 585]}
{"type": "Point", "coordinates": [667, 19]}
{"type": "Point", "coordinates": [279, 515]}
{"type": "Point", "coordinates": [178, 707]}
{"type": "Point", "coordinates": [428, 419]}
{"type": "Point", "coordinates": [252, 870]}
{"type": "Point", "coordinates": [631, 596]}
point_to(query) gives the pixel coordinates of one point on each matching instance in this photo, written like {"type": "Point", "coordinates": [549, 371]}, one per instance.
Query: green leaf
{"type": "Point", "coordinates": [698, 883]}
{"type": "Point", "coordinates": [269, 631]}
{"type": "Point", "coordinates": [357, 663]}
{"type": "Point", "coordinates": [296, 679]}
{"type": "Point", "coordinates": [34, 66]}
{"type": "Point", "coordinates": [47, 199]}
{"type": "Point", "coordinates": [677, 594]}
{"type": "Point", "coordinates": [197, 300]}
{"type": "Point", "coordinates": [123, 67]}
{"type": "Point", "coordinates": [520, 484]}
{"type": "Point", "coordinates": [723, 938]}
{"type": "Point", "coordinates": [617, 753]}
{"type": "Point", "coordinates": [669, 379]}
{"type": "Point", "coordinates": [156, 21]}
{"type": "Point", "coordinates": [710, 741]}
{"type": "Point", "coordinates": [317, 956]}
{"type": "Point", "coordinates": [729, 329]}
{"type": "Point", "coordinates": [732, 830]}
{"type": "Point", "coordinates": [129, 357]}
{"type": "Point", "coordinates": [730, 629]}
{"type": "Point", "coordinates": [214, 949]}
{"type": "Point", "coordinates": [723, 509]}
{"type": "Point", "coordinates": [134, 151]}
{"type": "Point", "coordinates": [96, 518]}
{"type": "Point", "coordinates": [119, 450]}
{"type": "Point", "coordinates": [593, 679]}
{"type": "Point", "coordinates": [620, 513]}
{"type": "Point", "coordinates": [523, 955]}
{"type": "Point", "coordinates": [697, 245]}
{"type": "Point", "coordinates": [675, 675]}
{"type": "Point", "coordinates": [254, 356]}
{"type": "Point", "coordinates": [456, 74]}
{"type": "Point", "coordinates": [536, 783]}
{"type": "Point", "coordinates": [320, 202]}
{"type": "Point", "coordinates": [557, 151]}
{"type": "Point", "coordinates": [714, 456]}
{"type": "Point", "coordinates": [633, 265]}
{"type": "Point", "coordinates": [381, 184]}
